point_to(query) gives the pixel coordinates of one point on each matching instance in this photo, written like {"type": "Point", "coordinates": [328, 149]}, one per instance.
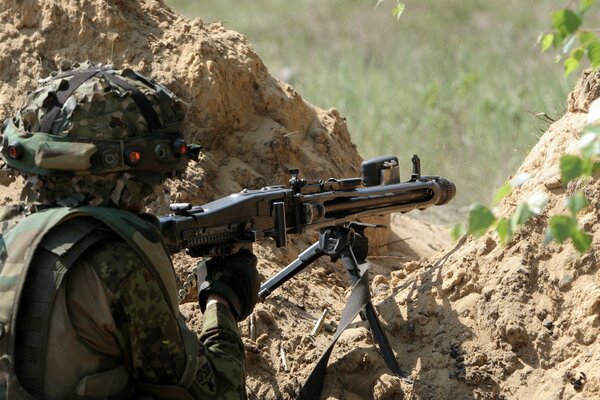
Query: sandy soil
{"type": "Point", "coordinates": [466, 320]}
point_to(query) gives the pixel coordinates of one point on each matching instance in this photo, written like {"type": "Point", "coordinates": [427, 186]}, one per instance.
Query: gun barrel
{"type": "Point", "coordinates": [385, 199]}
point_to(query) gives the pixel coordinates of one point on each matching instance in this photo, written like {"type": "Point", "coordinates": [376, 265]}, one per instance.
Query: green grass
{"type": "Point", "coordinates": [457, 82]}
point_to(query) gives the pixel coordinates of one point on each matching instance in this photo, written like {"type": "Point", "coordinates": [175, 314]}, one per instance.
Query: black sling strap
{"type": "Point", "coordinates": [359, 297]}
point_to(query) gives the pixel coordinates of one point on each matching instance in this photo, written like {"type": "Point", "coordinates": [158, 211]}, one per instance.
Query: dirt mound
{"type": "Point", "coordinates": [521, 321]}
{"type": "Point", "coordinates": [472, 320]}
{"type": "Point", "coordinates": [251, 126]}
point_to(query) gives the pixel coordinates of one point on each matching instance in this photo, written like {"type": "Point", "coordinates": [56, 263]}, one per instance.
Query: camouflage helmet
{"type": "Point", "coordinates": [96, 135]}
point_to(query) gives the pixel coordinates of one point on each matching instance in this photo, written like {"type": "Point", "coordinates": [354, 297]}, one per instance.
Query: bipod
{"type": "Point", "coordinates": [346, 243]}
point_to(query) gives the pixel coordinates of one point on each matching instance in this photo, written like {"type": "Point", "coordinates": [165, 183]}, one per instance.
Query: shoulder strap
{"type": "Point", "coordinates": [18, 243]}
{"type": "Point", "coordinates": [59, 250]}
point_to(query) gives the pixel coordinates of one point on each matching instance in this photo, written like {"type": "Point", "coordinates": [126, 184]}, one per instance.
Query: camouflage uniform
{"type": "Point", "coordinates": [88, 306]}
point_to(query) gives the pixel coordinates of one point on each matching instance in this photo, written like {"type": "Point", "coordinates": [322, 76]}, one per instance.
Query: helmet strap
{"type": "Point", "coordinates": [62, 94]}
{"type": "Point", "coordinates": [140, 100]}
{"type": "Point", "coordinates": [78, 78]}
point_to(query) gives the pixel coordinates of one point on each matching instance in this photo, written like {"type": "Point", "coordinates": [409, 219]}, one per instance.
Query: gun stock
{"type": "Point", "coordinates": [219, 227]}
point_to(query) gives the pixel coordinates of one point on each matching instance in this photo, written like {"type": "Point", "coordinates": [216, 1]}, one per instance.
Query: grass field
{"type": "Point", "coordinates": [457, 82]}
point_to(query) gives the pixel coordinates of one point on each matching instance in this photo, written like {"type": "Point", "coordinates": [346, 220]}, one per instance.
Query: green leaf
{"type": "Point", "coordinates": [508, 187]}
{"type": "Point", "coordinates": [585, 5]}
{"type": "Point", "coordinates": [570, 168]}
{"type": "Point", "coordinates": [571, 64]}
{"type": "Point", "coordinates": [576, 203]}
{"type": "Point", "coordinates": [398, 10]}
{"type": "Point", "coordinates": [458, 231]}
{"type": "Point", "coordinates": [504, 191]}
{"type": "Point", "coordinates": [521, 215]}
{"type": "Point", "coordinates": [547, 41]}
{"type": "Point", "coordinates": [581, 240]}
{"type": "Point", "coordinates": [587, 166]}
{"type": "Point", "coordinates": [586, 38]}
{"type": "Point", "coordinates": [578, 53]}
{"type": "Point", "coordinates": [565, 22]}
{"type": "Point", "coordinates": [562, 227]}
{"type": "Point", "coordinates": [593, 53]}
{"type": "Point", "coordinates": [504, 231]}
{"type": "Point", "coordinates": [480, 219]}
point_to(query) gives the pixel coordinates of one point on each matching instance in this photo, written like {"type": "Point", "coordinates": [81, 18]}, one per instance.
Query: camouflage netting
{"type": "Point", "coordinates": [100, 110]}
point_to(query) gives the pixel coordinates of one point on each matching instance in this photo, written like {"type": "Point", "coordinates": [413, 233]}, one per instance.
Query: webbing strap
{"type": "Point", "coordinates": [140, 100]}
{"type": "Point", "coordinates": [78, 78]}
{"type": "Point", "coordinates": [62, 94]}
{"type": "Point", "coordinates": [43, 280]}
{"type": "Point", "coordinates": [359, 297]}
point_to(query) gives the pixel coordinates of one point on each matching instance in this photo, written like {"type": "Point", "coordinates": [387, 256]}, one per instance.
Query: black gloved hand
{"type": "Point", "coordinates": [235, 278]}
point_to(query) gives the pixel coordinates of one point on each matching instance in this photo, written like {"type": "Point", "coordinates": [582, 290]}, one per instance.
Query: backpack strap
{"type": "Point", "coordinates": [57, 252]}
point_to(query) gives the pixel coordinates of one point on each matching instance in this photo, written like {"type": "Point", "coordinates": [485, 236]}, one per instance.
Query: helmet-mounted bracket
{"type": "Point", "coordinates": [50, 155]}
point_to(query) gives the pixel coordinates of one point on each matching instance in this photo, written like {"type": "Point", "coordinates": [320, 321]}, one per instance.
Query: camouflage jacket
{"type": "Point", "coordinates": [115, 311]}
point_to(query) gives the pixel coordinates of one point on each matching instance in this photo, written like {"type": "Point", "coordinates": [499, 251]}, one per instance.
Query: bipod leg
{"type": "Point", "coordinates": [303, 260]}
{"type": "Point", "coordinates": [349, 260]}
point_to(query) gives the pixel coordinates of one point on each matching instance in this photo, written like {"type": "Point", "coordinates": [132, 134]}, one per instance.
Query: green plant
{"type": "Point", "coordinates": [560, 227]}
{"type": "Point", "coordinates": [572, 38]}
{"type": "Point", "coordinates": [567, 30]}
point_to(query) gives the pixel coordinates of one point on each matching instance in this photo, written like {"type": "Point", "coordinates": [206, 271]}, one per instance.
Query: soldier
{"type": "Point", "coordinates": [88, 296]}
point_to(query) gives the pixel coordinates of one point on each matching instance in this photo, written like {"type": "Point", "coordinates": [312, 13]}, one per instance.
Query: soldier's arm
{"type": "Point", "coordinates": [156, 344]}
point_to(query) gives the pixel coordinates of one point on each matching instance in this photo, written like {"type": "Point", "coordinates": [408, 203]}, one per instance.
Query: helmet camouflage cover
{"type": "Point", "coordinates": [96, 135]}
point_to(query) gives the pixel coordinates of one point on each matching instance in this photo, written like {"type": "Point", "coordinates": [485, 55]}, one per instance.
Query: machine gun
{"type": "Point", "coordinates": [333, 206]}
{"type": "Point", "coordinates": [218, 228]}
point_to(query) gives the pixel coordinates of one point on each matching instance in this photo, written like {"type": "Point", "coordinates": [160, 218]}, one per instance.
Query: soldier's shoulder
{"type": "Point", "coordinates": [113, 260]}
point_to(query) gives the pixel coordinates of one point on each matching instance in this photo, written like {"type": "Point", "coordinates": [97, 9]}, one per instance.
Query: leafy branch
{"type": "Point", "coordinates": [571, 39]}
{"type": "Point", "coordinates": [574, 42]}
{"type": "Point", "coordinates": [560, 227]}
{"type": "Point", "coordinates": [483, 218]}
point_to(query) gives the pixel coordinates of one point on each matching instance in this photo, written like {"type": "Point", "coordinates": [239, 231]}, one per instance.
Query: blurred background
{"type": "Point", "coordinates": [460, 83]}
